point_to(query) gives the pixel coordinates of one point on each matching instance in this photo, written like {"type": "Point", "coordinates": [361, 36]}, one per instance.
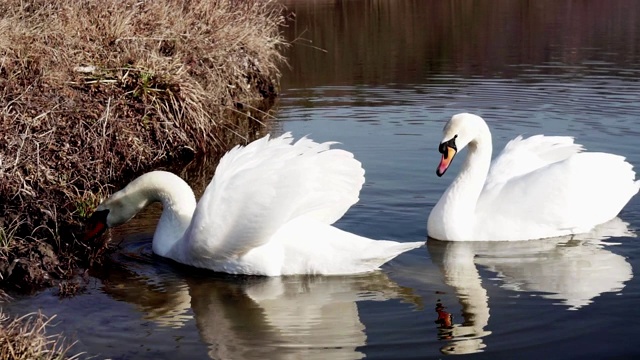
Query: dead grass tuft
{"type": "Point", "coordinates": [96, 92]}
{"type": "Point", "coordinates": [25, 338]}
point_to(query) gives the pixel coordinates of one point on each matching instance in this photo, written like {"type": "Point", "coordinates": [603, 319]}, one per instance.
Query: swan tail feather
{"type": "Point", "coordinates": [387, 251]}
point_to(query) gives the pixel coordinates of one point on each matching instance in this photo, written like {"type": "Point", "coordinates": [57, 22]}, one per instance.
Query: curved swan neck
{"type": "Point", "coordinates": [178, 205]}
{"type": "Point", "coordinates": [458, 203]}
{"type": "Point", "coordinates": [476, 166]}
{"type": "Point", "coordinates": [467, 186]}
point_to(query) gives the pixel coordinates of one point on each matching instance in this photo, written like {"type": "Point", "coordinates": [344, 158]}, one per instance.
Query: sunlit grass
{"type": "Point", "coordinates": [8, 236]}
{"type": "Point", "coordinates": [86, 201]}
{"type": "Point", "coordinates": [97, 92]}
{"type": "Point", "coordinates": [25, 338]}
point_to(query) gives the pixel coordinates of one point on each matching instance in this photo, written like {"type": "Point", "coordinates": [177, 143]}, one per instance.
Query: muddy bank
{"type": "Point", "coordinates": [97, 92]}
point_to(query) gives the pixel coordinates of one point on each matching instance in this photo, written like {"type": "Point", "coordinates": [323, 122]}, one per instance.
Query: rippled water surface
{"type": "Point", "coordinates": [382, 78]}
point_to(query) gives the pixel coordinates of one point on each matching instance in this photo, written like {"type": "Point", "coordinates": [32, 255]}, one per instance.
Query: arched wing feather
{"type": "Point", "coordinates": [522, 156]}
{"type": "Point", "coordinates": [258, 188]}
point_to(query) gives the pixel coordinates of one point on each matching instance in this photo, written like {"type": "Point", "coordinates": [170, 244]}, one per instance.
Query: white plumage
{"type": "Point", "coordinates": [539, 187]}
{"type": "Point", "coordinates": [267, 211]}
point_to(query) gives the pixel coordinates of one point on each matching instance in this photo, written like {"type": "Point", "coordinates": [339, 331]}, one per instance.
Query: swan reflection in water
{"type": "Point", "coordinates": [245, 317]}
{"type": "Point", "coordinates": [571, 270]}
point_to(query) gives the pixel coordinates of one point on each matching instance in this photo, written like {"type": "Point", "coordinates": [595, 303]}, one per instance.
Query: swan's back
{"type": "Point", "coordinates": [565, 197]}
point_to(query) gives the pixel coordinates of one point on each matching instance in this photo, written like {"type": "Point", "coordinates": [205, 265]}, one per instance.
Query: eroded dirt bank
{"type": "Point", "coordinates": [97, 92]}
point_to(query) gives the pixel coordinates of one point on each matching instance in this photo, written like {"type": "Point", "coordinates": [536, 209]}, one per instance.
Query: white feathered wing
{"type": "Point", "coordinates": [553, 172]}
{"type": "Point", "coordinates": [268, 211]}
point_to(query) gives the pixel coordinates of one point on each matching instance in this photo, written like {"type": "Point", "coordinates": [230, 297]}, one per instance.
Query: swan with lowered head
{"type": "Point", "coordinates": [267, 211]}
{"type": "Point", "coordinates": [539, 187]}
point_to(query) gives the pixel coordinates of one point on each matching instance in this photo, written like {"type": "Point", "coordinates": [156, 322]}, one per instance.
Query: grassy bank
{"type": "Point", "coordinates": [95, 92]}
{"type": "Point", "coordinates": [26, 338]}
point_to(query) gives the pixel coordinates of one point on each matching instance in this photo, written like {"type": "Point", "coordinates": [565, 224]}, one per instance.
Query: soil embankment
{"type": "Point", "coordinates": [97, 92]}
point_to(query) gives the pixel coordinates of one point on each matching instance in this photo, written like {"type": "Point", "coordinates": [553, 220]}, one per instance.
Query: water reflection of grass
{"type": "Point", "coordinates": [381, 41]}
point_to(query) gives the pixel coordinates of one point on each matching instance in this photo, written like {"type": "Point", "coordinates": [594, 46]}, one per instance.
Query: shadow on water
{"type": "Point", "coordinates": [246, 317]}
{"type": "Point", "coordinates": [251, 317]}
{"type": "Point", "coordinates": [571, 270]}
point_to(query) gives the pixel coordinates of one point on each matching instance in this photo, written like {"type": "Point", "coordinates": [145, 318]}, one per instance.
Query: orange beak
{"type": "Point", "coordinates": [445, 161]}
{"type": "Point", "coordinates": [96, 225]}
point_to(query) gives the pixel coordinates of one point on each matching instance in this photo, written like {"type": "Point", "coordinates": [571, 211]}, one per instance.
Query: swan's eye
{"type": "Point", "coordinates": [443, 148]}
{"type": "Point", "coordinates": [451, 143]}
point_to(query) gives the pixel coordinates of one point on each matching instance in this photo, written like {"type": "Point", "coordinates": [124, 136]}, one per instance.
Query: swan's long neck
{"type": "Point", "coordinates": [460, 199]}
{"type": "Point", "coordinates": [466, 187]}
{"type": "Point", "coordinates": [178, 205]}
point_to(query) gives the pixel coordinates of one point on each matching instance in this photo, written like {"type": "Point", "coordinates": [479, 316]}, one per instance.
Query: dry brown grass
{"type": "Point", "coordinates": [94, 92]}
{"type": "Point", "coordinates": [25, 338]}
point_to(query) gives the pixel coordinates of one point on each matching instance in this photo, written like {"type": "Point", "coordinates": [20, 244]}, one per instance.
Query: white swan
{"type": "Point", "coordinates": [267, 211]}
{"type": "Point", "coordinates": [538, 187]}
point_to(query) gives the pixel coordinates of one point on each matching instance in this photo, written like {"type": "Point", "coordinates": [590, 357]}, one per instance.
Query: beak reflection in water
{"type": "Point", "coordinates": [566, 271]}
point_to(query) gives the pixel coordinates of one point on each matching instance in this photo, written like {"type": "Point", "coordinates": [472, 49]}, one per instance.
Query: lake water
{"type": "Point", "coordinates": [382, 78]}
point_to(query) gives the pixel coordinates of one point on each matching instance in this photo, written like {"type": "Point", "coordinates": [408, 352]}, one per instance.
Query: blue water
{"type": "Point", "coordinates": [560, 298]}
{"type": "Point", "coordinates": [391, 74]}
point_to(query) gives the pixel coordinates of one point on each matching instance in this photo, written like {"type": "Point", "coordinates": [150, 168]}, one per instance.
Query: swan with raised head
{"type": "Point", "coordinates": [538, 187]}
{"type": "Point", "coordinates": [267, 211]}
